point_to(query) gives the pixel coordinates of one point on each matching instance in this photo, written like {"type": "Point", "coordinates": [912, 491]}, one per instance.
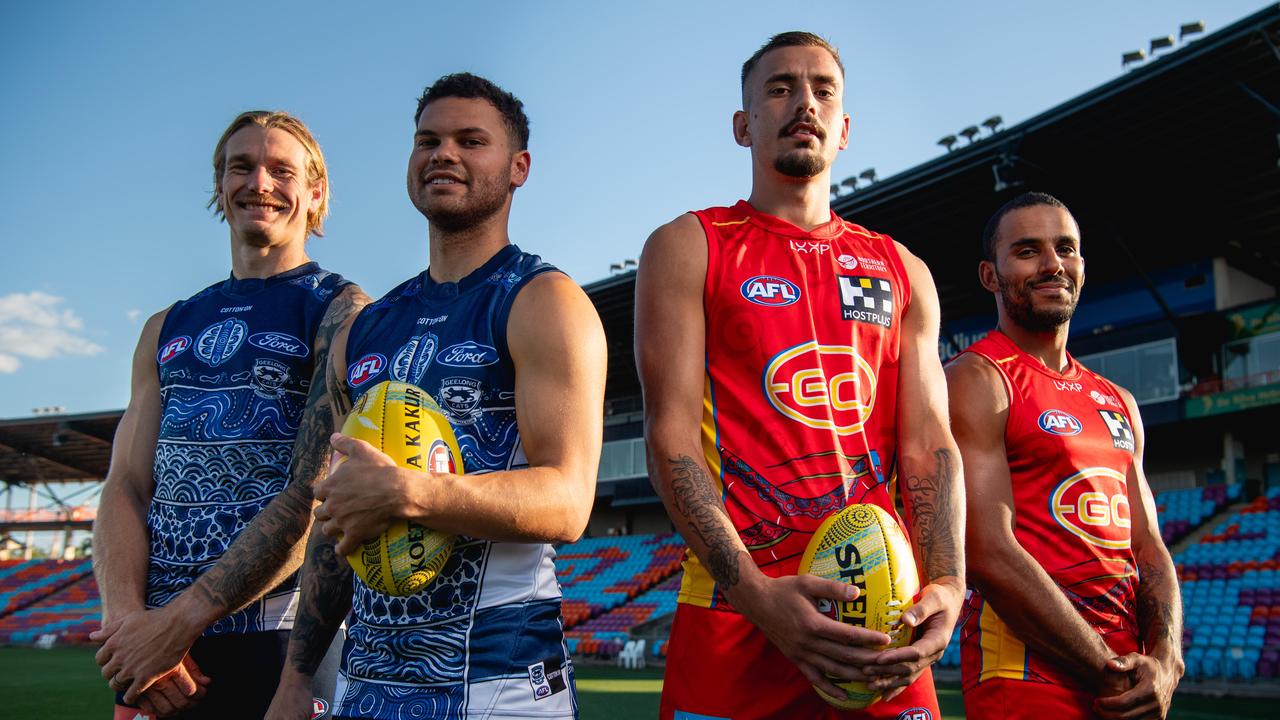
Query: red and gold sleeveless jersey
{"type": "Point", "coordinates": [800, 399]}
{"type": "Point", "coordinates": [1069, 440]}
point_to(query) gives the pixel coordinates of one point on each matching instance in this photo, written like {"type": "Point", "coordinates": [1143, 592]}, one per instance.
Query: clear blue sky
{"type": "Point", "coordinates": [110, 112]}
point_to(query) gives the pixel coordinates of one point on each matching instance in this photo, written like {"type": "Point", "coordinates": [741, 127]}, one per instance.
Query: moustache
{"type": "Point", "coordinates": [811, 122]}
{"type": "Point", "coordinates": [1057, 280]}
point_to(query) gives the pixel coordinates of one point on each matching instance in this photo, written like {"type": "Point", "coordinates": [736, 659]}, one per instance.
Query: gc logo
{"type": "Point", "coordinates": [1093, 505]}
{"type": "Point", "coordinates": [825, 387]}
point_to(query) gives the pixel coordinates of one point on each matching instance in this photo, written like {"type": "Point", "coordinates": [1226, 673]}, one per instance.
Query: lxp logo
{"type": "Point", "coordinates": [1093, 505]}
{"type": "Point", "coordinates": [825, 387]}
{"type": "Point", "coordinates": [770, 290]}
{"type": "Point", "coordinates": [365, 369]}
{"type": "Point", "coordinates": [1057, 422]}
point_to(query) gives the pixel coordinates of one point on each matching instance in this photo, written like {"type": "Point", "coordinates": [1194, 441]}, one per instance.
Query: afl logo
{"type": "Point", "coordinates": [319, 707]}
{"type": "Point", "coordinates": [439, 459]}
{"type": "Point", "coordinates": [770, 290]}
{"type": "Point", "coordinates": [825, 387]}
{"type": "Point", "coordinates": [1093, 505]}
{"type": "Point", "coordinates": [220, 341]}
{"type": "Point", "coordinates": [366, 369]}
{"type": "Point", "coordinates": [173, 349]}
{"type": "Point", "coordinates": [1057, 422]}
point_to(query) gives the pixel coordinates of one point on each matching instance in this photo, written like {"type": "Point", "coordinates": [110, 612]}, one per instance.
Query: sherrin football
{"type": "Point", "coordinates": [404, 422]}
{"type": "Point", "coordinates": [864, 546]}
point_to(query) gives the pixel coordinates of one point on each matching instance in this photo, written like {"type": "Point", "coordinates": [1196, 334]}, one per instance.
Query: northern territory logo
{"type": "Point", "coordinates": [1120, 429]}
{"type": "Point", "coordinates": [218, 342]}
{"type": "Point", "coordinates": [1093, 505]}
{"type": "Point", "coordinates": [278, 342]}
{"type": "Point", "coordinates": [411, 360]}
{"type": "Point", "coordinates": [1057, 422]}
{"type": "Point", "coordinates": [468, 353]}
{"type": "Point", "coordinates": [173, 349]}
{"type": "Point", "coordinates": [825, 387]}
{"type": "Point", "coordinates": [770, 290]}
{"type": "Point", "coordinates": [866, 299]}
{"type": "Point", "coordinates": [366, 369]}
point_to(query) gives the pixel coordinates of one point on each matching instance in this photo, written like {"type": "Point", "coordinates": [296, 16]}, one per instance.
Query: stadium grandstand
{"type": "Point", "coordinates": [1173, 171]}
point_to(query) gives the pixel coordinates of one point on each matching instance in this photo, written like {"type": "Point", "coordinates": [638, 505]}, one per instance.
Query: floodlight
{"type": "Point", "coordinates": [969, 133]}
{"type": "Point", "coordinates": [615, 268]}
{"type": "Point", "coordinates": [993, 122]}
{"type": "Point", "coordinates": [869, 174]}
{"type": "Point", "coordinates": [1191, 28]}
{"type": "Point", "coordinates": [1161, 43]}
{"type": "Point", "coordinates": [850, 182]}
{"type": "Point", "coordinates": [948, 142]}
{"type": "Point", "coordinates": [835, 191]}
{"type": "Point", "coordinates": [1133, 56]}
{"type": "Point", "coordinates": [629, 263]}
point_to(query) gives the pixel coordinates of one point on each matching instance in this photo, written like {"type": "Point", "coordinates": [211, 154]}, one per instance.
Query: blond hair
{"type": "Point", "coordinates": [317, 171]}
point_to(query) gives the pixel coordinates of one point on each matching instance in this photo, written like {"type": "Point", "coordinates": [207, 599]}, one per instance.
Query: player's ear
{"type": "Point", "coordinates": [844, 133]}
{"type": "Point", "coordinates": [520, 164]}
{"type": "Point", "coordinates": [987, 276]}
{"type": "Point", "coordinates": [741, 133]}
{"type": "Point", "coordinates": [316, 191]}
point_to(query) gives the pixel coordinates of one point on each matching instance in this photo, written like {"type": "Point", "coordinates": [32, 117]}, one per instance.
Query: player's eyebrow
{"type": "Point", "coordinates": [784, 77]}
{"type": "Point", "coordinates": [460, 131]}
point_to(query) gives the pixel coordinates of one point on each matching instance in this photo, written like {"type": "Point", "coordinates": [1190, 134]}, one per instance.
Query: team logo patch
{"type": "Point", "coordinates": [1093, 505]}
{"type": "Point", "coordinates": [915, 713]}
{"type": "Point", "coordinates": [319, 708]}
{"type": "Point", "coordinates": [826, 387]}
{"type": "Point", "coordinates": [1120, 429]}
{"type": "Point", "coordinates": [220, 341]}
{"type": "Point", "coordinates": [866, 299]}
{"type": "Point", "coordinates": [411, 360]}
{"type": "Point", "coordinates": [770, 290]}
{"type": "Point", "coordinates": [848, 262]}
{"type": "Point", "coordinates": [460, 397]}
{"type": "Point", "coordinates": [1102, 399]}
{"type": "Point", "coordinates": [468, 354]}
{"type": "Point", "coordinates": [173, 349]}
{"type": "Point", "coordinates": [278, 342]}
{"type": "Point", "coordinates": [547, 678]}
{"type": "Point", "coordinates": [268, 377]}
{"type": "Point", "coordinates": [1057, 422]}
{"type": "Point", "coordinates": [366, 369]}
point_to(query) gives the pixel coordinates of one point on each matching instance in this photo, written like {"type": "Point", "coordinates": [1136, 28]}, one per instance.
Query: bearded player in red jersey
{"type": "Point", "coordinates": [1075, 611]}
{"type": "Point", "coordinates": [790, 368]}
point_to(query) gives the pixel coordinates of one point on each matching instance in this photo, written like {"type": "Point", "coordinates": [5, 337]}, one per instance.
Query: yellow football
{"type": "Point", "coordinates": [404, 422]}
{"type": "Point", "coordinates": [864, 546]}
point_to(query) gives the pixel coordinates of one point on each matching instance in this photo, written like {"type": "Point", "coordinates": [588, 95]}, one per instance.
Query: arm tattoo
{"type": "Point", "coordinates": [248, 567]}
{"type": "Point", "coordinates": [326, 598]}
{"type": "Point", "coordinates": [1156, 618]}
{"type": "Point", "coordinates": [696, 500]}
{"type": "Point", "coordinates": [933, 517]}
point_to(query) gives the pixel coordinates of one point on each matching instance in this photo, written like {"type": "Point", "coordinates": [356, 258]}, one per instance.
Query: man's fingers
{"type": "Point", "coordinates": [818, 679]}
{"type": "Point", "coordinates": [930, 603]}
{"type": "Point", "coordinates": [136, 688]}
{"type": "Point", "coordinates": [1126, 700]}
{"type": "Point", "coordinates": [354, 448]}
{"type": "Point", "coordinates": [194, 671]}
{"type": "Point", "coordinates": [346, 544]}
{"type": "Point", "coordinates": [830, 589]}
{"type": "Point", "coordinates": [148, 707]}
{"type": "Point", "coordinates": [893, 693]}
{"type": "Point", "coordinates": [105, 632]}
{"type": "Point", "coordinates": [165, 699]}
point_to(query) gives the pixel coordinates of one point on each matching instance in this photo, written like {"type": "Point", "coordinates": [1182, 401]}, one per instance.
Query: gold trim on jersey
{"type": "Point", "coordinates": [697, 587]}
{"type": "Point", "coordinates": [1003, 654]}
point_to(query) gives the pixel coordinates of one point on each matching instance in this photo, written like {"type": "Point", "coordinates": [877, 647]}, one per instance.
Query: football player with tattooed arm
{"type": "Point", "coordinates": [790, 368]}
{"type": "Point", "coordinates": [1075, 609]}
{"type": "Point", "coordinates": [208, 497]}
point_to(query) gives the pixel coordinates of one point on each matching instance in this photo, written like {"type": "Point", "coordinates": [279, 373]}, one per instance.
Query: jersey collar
{"type": "Point", "coordinates": [249, 286]}
{"type": "Point", "coordinates": [432, 290]}
{"type": "Point", "coordinates": [831, 229]}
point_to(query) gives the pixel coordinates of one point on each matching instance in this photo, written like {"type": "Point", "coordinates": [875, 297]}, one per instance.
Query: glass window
{"type": "Point", "coordinates": [1149, 370]}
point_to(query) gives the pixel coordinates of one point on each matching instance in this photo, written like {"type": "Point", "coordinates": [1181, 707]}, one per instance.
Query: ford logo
{"type": "Point", "coordinates": [467, 354]}
{"type": "Point", "coordinates": [279, 342]}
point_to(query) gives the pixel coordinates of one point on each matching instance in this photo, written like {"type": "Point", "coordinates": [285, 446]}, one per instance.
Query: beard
{"type": "Point", "coordinates": [483, 200]}
{"type": "Point", "coordinates": [1021, 308]}
{"type": "Point", "coordinates": [800, 164]}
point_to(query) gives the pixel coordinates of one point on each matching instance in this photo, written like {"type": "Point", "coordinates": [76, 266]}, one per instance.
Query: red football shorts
{"type": "Point", "coordinates": [1018, 699]}
{"type": "Point", "coordinates": [720, 667]}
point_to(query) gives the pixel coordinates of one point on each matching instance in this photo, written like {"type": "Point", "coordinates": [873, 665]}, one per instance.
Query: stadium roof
{"type": "Point", "coordinates": [1173, 161]}
{"type": "Point", "coordinates": [57, 448]}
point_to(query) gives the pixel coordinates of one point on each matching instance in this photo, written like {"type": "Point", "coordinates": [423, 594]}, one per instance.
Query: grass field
{"type": "Point", "coordinates": [63, 684]}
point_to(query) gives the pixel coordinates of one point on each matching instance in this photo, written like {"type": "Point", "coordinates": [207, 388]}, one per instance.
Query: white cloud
{"type": "Point", "coordinates": [32, 325]}
{"type": "Point", "coordinates": [133, 315]}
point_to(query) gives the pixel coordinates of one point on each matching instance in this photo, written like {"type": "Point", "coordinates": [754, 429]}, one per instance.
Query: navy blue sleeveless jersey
{"type": "Point", "coordinates": [484, 639]}
{"type": "Point", "coordinates": [235, 364]}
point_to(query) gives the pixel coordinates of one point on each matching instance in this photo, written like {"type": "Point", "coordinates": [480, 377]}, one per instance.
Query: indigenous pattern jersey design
{"type": "Point", "coordinates": [235, 364]}
{"type": "Point", "coordinates": [484, 638]}
{"type": "Point", "coordinates": [1070, 444]}
{"type": "Point", "coordinates": [800, 401]}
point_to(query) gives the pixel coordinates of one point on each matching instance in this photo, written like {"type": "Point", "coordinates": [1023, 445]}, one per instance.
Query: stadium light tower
{"type": "Point", "coordinates": [869, 175]}
{"type": "Point", "coordinates": [835, 191]}
{"type": "Point", "coordinates": [1191, 28]}
{"type": "Point", "coordinates": [993, 123]}
{"type": "Point", "coordinates": [948, 142]}
{"type": "Point", "coordinates": [1131, 57]}
{"type": "Point", "coordinates": [850, 182]}
{"type": "Point", "coordinates": [969, 133]}
{"type": "Point", "coordinates": [1161, 43]}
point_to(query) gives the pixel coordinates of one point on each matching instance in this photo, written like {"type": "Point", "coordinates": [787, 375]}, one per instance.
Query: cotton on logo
{"type": "Point", "coordinates": [1093, 505]}
{"type": "Point", "coordinates": [826, 387]}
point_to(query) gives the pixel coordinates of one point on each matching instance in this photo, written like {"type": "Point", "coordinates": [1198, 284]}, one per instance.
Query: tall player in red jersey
{"type": "Point", "coordinates": [1074, 611]}
{"type": "Point", "coordinates": [789, 365]}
